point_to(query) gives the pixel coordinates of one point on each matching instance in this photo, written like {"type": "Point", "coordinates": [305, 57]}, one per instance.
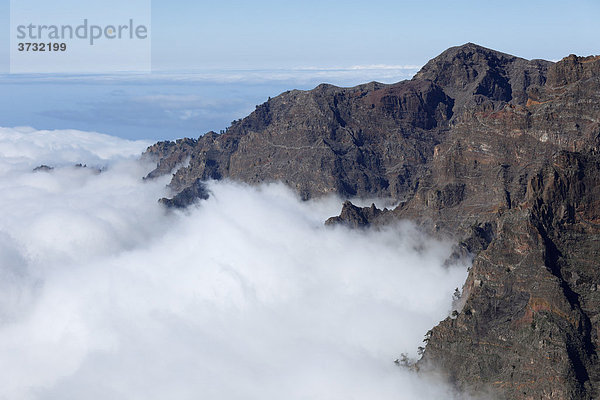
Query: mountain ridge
{"type": "Point", "coordinates": [498, 151]}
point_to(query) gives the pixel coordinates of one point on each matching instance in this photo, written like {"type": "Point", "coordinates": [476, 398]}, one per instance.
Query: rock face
{"type": "Point", "coordinates": [497, 150]}
{"type": "Point", "coordinates": [529, 327]}
{"type": "Point", "coordinates": [371, 140]}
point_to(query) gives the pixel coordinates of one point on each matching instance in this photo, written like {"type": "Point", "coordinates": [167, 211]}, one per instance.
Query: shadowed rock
{"type": "Point", "coordinates": [187, 196]}
{"type": "Point", "coordinates": [356, 217]}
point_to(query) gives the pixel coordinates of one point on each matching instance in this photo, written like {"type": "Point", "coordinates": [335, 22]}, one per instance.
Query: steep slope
{"type": "Point", "coordinates": [529, 327]}
{"type": "Point", "coordinates": [499, 151]}
{"type": "Point", "coordinates": [368, 140]}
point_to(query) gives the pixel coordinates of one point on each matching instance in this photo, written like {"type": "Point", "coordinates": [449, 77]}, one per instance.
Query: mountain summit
{"type": "Point", "coordinates": [468, 71]}
{"type": "Point", "coordinates": [498, 151]}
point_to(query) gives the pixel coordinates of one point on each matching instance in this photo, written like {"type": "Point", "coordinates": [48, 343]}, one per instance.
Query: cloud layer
{"type": "Point", "coordinates": [104, 294]}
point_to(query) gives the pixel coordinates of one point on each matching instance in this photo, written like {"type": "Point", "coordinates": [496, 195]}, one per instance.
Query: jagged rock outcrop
{"type": "Point", "coordinates": [356, 217]}
{"type": "Point", "coordinates": [43, 168]}
{"type": "Point", "coordinates": [189, 195]}
{"type": "Point", "coordinates": [496, 150]}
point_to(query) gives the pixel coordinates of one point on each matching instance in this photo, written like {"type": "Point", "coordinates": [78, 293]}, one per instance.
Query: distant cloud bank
{"type": "Point", "coordinates": [354, 75]}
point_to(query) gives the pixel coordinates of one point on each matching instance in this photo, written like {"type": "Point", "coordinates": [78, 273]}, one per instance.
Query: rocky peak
{"type": "Point", "coordinates": [460, 66]}
{"type": "Point", "coordinates": [471, 72]}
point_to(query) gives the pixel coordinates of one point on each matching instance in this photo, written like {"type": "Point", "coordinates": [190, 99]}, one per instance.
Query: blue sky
{"type": "Point", "coordinates": [253, 34]}
{"type": "Point", "coordinates": [231, 55]}
{"type": "Point", "coordinates": [192, 34]}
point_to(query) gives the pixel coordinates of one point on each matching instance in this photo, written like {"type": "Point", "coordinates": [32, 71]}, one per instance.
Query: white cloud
{"type": "Point", "coordinates": [343, 75]}
{"type": "Point", "coordinates": [28, 147]}
{"type": "Point", "coordinates": [246, 296]}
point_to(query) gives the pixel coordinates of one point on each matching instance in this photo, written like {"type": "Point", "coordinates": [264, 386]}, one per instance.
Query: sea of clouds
{"type": "Point", "coordinates": [104, 294]}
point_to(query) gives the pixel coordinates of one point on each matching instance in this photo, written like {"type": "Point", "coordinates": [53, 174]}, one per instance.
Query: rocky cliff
{"type": "Point", "coordinates": [499, 151]}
